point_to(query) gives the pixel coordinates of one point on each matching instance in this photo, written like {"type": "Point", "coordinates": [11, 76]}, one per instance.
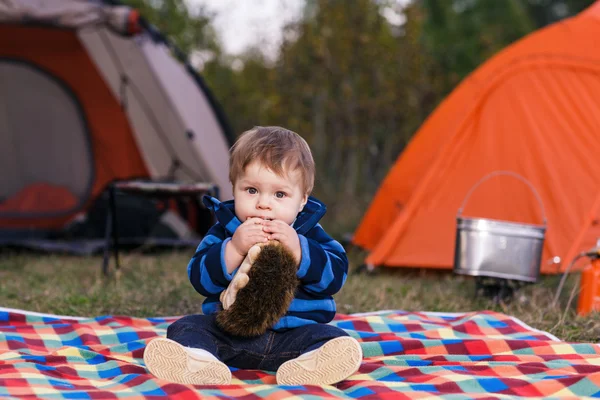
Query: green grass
{"type": "Point", "coordinates": [157, 285]}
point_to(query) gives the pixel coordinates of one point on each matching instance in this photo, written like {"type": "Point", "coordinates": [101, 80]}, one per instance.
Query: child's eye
{"type": "Point", "coordinates": [280, 195]}
{"type": "Point", "coordinates": [251, 190]}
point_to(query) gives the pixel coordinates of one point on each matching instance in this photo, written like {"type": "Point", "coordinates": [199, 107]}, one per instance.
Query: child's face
{"type": "Point", "coordinates": [260, 192]}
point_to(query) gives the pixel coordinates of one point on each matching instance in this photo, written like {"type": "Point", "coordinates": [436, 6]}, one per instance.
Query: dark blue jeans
{"type": "Point", "coordinates": [266, 352]}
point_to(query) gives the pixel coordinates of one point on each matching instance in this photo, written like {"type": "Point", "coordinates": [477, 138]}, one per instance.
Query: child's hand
{"type": "Point", "coordinates": [247, 235]}
{"type": "Point", "coordinates": [286, 235]}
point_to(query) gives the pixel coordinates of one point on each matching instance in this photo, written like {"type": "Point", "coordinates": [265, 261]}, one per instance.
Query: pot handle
{"type": "Point", "coordinates": [496, 173]}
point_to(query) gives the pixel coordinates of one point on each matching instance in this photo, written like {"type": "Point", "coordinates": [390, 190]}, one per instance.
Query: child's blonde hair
{"type": "Point", "coordinates": [278, 149]}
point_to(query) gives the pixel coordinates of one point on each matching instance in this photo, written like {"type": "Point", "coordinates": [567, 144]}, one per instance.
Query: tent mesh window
{"type": "Point", "coordinates": [45, 150]}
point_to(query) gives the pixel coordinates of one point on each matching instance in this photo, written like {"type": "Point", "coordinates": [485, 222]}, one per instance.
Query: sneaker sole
{"type": "Point", "coordinates": [331, 363]}
{"type": "Point", "coordinates": [167, 359]}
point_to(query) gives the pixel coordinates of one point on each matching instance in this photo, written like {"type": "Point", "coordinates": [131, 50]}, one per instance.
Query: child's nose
{"type": "Point", "coordinates": [263, 202]}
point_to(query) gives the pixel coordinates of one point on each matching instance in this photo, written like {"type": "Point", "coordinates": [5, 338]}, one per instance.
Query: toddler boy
{"type": "Point", "coordinates": [272, 173]}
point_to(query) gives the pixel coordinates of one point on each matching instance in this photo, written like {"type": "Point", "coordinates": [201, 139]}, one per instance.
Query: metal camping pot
{"type": "Point", "coordinates": [499, 249]}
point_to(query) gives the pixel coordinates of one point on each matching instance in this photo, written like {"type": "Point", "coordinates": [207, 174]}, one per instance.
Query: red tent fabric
{"type": "Point", "coordinates": [532, 109]}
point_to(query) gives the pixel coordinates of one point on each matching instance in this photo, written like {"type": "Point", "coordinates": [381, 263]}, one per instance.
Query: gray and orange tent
{"type": "Point", "coordinates": [533, 109]}
{"type": "Point", "coordinates": [90, 94]}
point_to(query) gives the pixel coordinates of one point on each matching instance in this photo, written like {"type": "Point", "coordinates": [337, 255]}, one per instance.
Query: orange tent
{"type": "Point", "coordinates": [532, 109]}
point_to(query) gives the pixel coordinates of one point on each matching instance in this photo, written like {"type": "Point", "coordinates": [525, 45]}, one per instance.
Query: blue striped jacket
{"type": "Point", "coordinates": [322, 271]}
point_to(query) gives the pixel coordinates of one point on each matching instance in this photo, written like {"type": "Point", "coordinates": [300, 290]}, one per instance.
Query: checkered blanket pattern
{"type": "Point", "coordinates": [407, 355]}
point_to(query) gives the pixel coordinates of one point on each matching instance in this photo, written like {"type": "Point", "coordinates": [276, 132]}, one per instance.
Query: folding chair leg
{"type": "Point", "coordinates": [111, 232]}
{"type": "Point", "coordinates": [107, 243]}
{"type": "Point", "coordinates": [115, 230]}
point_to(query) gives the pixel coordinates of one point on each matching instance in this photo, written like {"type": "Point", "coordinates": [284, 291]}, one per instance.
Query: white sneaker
{"type": "Point", "coordinates": [167, 359]}
{"type": "Point", "coordinates": [331, 363]}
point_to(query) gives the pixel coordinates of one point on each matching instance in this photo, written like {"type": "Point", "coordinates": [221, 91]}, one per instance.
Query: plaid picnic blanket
{"type": "Point", "coordinates": [407, 355]}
